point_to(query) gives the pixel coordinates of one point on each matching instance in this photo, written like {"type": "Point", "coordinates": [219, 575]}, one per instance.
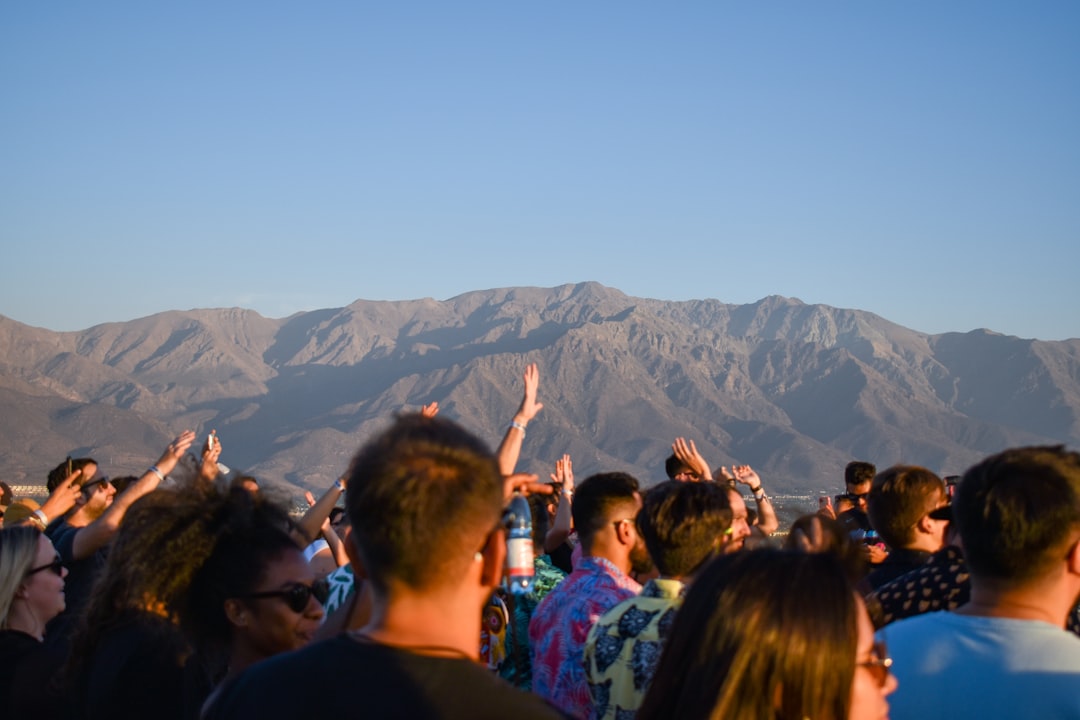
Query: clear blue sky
{"type": "Point", "coordinates": [919, 159]}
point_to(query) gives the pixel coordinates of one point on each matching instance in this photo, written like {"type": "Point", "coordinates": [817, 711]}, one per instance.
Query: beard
{"type": "Point", "coordinates": [640, 561]}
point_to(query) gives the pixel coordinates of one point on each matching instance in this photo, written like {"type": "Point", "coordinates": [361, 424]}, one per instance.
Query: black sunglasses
{"type": "Point", "coordinates": [57, 566]}
{"type": "Point", "coordinates": [297, 595]}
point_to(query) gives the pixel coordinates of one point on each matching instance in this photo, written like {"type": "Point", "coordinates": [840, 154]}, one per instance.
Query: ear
{"type": "Point", "coordinates": [493, 557]}
{"type": "Point", "coordinates": [1073, 558]}
{"type": "Point", "coordinates": [624, 531]}
{"type": "Point", "coordinates": [353, 552]}
{"type": "Point", "coordinates": [236, 612]}
{"type": "Point", "coordinates": [924, 525]}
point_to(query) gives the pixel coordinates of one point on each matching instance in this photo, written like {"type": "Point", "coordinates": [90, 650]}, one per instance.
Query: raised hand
{"type": "Point", "coordinates": [687, 453]}
{"type": "Point", "coordinates": [525, 483]}
{"type": "Point", "coordinates": [430, 410]}
{"type": "Point", "coordinates": [745, 474]}
{"type": "Point", "coordinates": [529, 406]}
{"type": "Point", "coordinates": [208, 470]}
{"type": "Point", "coordinates": [563, 477]}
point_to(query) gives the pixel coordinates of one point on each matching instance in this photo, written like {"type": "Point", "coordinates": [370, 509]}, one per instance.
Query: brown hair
{"type": "Point", "coordinates": [899, 498]}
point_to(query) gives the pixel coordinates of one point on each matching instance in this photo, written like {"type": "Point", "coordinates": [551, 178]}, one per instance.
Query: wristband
{"type": "Point", "coordinates": [755, 490]}
{"type": "Point", "coordinates": [340, 486]}
{"type": "Point", "coordinates": [42, 517]}
{"type": "Point", "coordinates": [154, 469]}
{"type": "Point", "coordinates": [519, 426]}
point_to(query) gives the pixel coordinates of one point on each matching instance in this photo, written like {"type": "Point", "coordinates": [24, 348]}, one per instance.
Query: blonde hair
{"type": "Point", "coordinates": [18, 546]}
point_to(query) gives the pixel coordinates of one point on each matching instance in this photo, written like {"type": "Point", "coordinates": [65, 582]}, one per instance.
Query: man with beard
{"type": "Point", "coordinates": [605, 508]}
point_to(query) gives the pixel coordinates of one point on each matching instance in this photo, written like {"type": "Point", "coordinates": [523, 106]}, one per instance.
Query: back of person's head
{"type": "Point", "coordinates": [834, 539]}
{"type": "Point", "coordinates": [598, 498]}
{"type": "Point", "coordinates": [858, 473]}
{"type": "Point", "coordinates": [899, 498]}
{"type": "Point", "coordinates": [762, 634]}
{"type": "Point", "coordinates": [5, 494]}
{"type": "Point", "coordinates": [683, 524]}
{"type": "Point", "coordinates": [1019, 511]}
{"type": "Point", "coordinates": [18, 546]}
{"type": "Point", "coordinates": [540, 525]}
{"type": "Point", "coordinates": [673, 467]}
{"type": "Point", "coordinates": [59, 473]}
{"type": "Point", "coordinates": [422, 498]}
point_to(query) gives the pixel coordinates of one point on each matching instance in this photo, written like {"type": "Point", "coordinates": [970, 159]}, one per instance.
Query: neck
{"type": "Point", "coordinates": [440, 623]}
{"type": "Point", "coordinates": [1038, 601]}
{"type": "Point", "coordinates": [241, 657]}
{"type": "Point", "coordinates": [615, 555]}
{"type": "Point", "coordinates": [21, 617]}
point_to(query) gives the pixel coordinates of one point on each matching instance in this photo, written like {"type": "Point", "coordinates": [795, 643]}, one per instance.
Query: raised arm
{"type": "Point", "coordinates": [563, 480]}
{"type": "Point", "coordinates": [60, 500]}
{"type": "Point", "coordinates": [767, 521]}
{"type": "Point", "coordinates": [510, 447]}
{"type": "Point", "coordinates": [309, 526]}
{"type": "Point", "coordinates": [97, 534]}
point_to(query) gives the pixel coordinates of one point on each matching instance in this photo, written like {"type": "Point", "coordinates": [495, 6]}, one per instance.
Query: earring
{"type": "Point", "coordinates": [478, 557]}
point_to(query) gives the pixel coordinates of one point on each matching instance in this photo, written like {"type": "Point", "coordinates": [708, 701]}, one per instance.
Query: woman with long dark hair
{"type": "Point", "coordinates": [770, 635]}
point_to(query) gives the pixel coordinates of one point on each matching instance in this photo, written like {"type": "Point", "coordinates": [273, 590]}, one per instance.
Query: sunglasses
{"type": "Point", "coordinates": [879, 663]}
{"type": "Point", "coordinates": [853, 497]}
{"type": "Point", "coordinates": [297, 595]}
{"type": "Point", "coordinates": [57, 566]}
{"type": "Point", "coordinates": [89, 484]}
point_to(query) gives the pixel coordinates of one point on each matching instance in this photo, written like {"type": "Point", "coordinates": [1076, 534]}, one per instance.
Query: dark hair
{"type": "Point", "coordinates": [596, 497]}
{"type": "Point", "coordinates": [251, 533]}
{"type": "Point", "coordinates": [759, 629]}
{"type": "Point", "coordinates": [1018, 510]}
{"type": "Point", "coordinates": [162, 546]}
{"type": "Point", "coordinates": [682, 524]}
{"type": "Point", "coordinates": [5, 494]}
{"type": "Point", "coordinates": [422, 498]}
{"type": "Point", "coordinates": [858, 472]}
{"type": "Point", "coordinates": [899, 498]}
{"type": "Point", "coordinates": [538, 508]}
{"type": "Point", "coordinates": [673, 466]}
{"type": "Point", "coordinates": [59, 473]}
{"type": "Point", "coordinates": [836, 540]}
{"type": "Point", "coordinates": [335, 514]}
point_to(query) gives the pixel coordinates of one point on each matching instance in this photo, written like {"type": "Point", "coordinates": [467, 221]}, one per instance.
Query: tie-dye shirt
{"type": "Point", "coordinates": [624, 648]}
{"type": "Point", "coordinates": [560, 625]}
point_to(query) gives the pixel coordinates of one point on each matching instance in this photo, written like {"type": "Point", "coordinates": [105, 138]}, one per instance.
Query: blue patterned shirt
{"type": "Point", "coordinates": [624, 647]}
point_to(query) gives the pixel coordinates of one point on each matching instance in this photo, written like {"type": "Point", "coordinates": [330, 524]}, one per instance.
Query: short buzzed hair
{"type": "Point", "coordinates": [596, 497]}
{"type": "Point", "coordinates": [422, 497]}
{"type": "Point", "coordinates": [899, 498]}
{"type": "Point", "coordinates": [682, 524]}
{"type": "Point", "coordinates": [1017, 511]}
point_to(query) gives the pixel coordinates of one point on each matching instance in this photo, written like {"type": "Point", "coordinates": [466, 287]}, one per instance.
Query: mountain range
{"type": "Point", "coordinates": [795, 390]}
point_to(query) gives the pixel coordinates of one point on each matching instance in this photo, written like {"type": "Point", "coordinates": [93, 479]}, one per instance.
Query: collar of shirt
{"type": "Point", "coordinates": [663, 588]}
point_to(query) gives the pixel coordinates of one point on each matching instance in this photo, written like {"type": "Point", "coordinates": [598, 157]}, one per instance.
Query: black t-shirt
{"type": "Point", "coordinates": [79, 582]}
{"type": "Point", "coordinates": [343, 677]}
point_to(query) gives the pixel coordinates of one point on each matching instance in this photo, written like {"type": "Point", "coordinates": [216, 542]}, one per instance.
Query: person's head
{"type": "Point", "coordinates": [254, 595]}
{"type": "Point", "coordinates": [1018, 513]}
{"type": "Point", "coordinates": [901, 499]}
{"type": "Point", "coordinates": [96, 496]}
{"type": "Point", "coordinates": [683, 524]}
{"type": "Point", "coordinates": [31, 580]}
{"type": "Point", "coordinates": [85, 467]}
{"type": "Point", "coordinates": [247, 483]}
{"type": "Point", "coordinates": [858, 476]}
{"type": "Point", "coordinates": [740, 521]}
{"type": "Point", "coordinates": [770, 634]}
{"type": "Point", "coordinates": [676, 469]}
{"type": "Point", "coordinates": [424, 496]}
{"type": "Point", "coordinates": [825, 534]}
{"type": "Point", "coordinates": [605, 510]}
{"type": "Point", "coordinates": [5, 495]}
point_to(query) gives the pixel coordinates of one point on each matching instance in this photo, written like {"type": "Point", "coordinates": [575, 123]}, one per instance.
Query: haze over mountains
{"type": "Point", "coordinates": [794, 390]}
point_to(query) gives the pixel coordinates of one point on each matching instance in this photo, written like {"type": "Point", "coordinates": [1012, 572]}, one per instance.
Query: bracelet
{"type": "Point", "coordinates": [42, 517]}
{"type": "Point", "coordinates": [154, 469]}
{"type": "Point", "coordinates": [519, 426]}
{"type": "Point", "coordinates": [755, 491]}
{"type": "Point", "coordinates": [339, 485]}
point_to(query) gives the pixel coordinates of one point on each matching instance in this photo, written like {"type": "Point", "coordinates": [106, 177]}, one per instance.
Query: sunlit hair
{"type": "Point", "coordinates": [762, 635]}
{"type": "Point", "coordinates": [899, 498]}
{"type": "Point", "coordinates": [683, 524]}
{"type": "Point", "coordinates": [596, 500]}
{"type": "Point", "coordinates": [423, 496]}
{"type": "Point", "coordinates": [166, 538]}
{"type": "Point", "coordinates": [18, 548]}
{"type": "Point", "coordinates": [1018, 512]}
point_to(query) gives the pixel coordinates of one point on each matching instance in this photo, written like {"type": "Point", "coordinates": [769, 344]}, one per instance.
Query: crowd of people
{"type": "Point", "coordinates": [190, 593]}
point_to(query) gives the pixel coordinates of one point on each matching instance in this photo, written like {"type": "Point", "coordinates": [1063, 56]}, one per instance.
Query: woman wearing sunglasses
{"type": "Point", "coordinates": [197, 586]}
{"type": "Point", "coordinates": [31, 594]}
{"type": "Point", "coordinates": [771, 634]}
